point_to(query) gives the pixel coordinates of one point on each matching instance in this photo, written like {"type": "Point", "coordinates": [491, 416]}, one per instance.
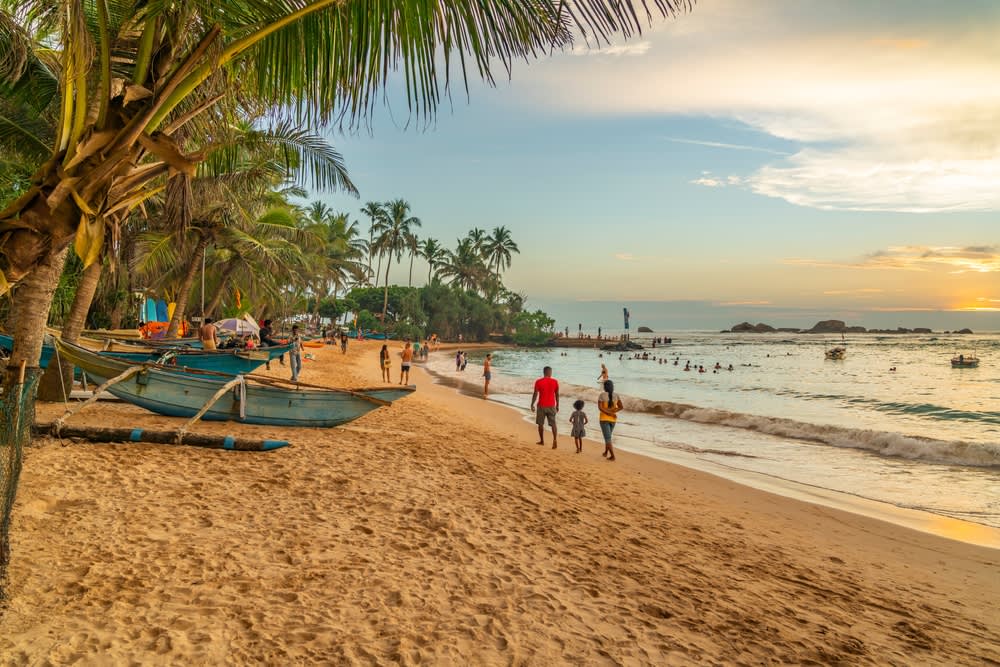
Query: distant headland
{"type": "Point", "coordinates": [831, 326]}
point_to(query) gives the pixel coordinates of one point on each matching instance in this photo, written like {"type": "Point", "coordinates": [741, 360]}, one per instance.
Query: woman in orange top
{"type": "Point", "coordinates": [609, 405]}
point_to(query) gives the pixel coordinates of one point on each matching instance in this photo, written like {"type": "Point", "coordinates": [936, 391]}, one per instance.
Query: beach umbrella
{"type": "Point", "coordinates": [238, 325]}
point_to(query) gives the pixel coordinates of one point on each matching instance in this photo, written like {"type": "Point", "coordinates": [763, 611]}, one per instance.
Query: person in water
{"type": "Point", "coordinates": [603, 377]}
{"type": "Point", "coordinates": [487, 374]}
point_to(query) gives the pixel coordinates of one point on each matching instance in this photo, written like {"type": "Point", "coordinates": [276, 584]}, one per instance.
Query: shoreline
{"type": "Point", "coordinates": [434, 530]}
{"type": "Point", "coordinates": [927, 522]}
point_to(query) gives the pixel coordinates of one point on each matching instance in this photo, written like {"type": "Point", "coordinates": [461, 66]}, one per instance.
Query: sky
{"type": "Point", "coordinates": [751, 160]}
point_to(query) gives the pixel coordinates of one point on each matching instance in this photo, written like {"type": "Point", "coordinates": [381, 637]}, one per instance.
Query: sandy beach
{"type": "Point", "coordinates": [436, 531]}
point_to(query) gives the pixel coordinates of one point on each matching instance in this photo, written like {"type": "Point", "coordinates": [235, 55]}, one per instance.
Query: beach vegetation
{"type": "Point", "coordinates": [532, 328]}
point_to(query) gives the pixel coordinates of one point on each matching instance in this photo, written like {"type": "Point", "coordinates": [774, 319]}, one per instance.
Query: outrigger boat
{"type": "Point", "coordinates": [964, 361]}
{"type": "Point", "coordinates": [249, 399]}
{"type": "Point", "coordinates": [230, 362]}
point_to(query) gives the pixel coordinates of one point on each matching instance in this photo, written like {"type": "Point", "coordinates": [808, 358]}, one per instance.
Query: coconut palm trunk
{"type": "Point", "coordinates": [184, 290]}
{"type": "Point", "coordinates": [216, 300]}
{"type": "Point", "coordinates": [385, 299]}
{"type": "Point", "coordinates": [409, 282]}
{"type": "Point", "coordinates": [30, 313]}
{"type": "Point", "coordinates": [57, 381]}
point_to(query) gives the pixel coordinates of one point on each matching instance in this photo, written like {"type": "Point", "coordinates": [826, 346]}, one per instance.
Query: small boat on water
{"type": "Point", "coordinates": [965, 361]}
{"type": "Point", "coordinates": [836, 353]}
{"type": "Point", "coordinates": [250, 400]}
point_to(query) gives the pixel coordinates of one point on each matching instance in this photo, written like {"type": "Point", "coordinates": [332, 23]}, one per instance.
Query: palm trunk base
{"type": "Point", "coordinates": [56, 382]}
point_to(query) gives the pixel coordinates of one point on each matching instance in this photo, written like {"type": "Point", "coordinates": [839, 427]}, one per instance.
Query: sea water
{"type": "Point", "coordinates": [924, 436]}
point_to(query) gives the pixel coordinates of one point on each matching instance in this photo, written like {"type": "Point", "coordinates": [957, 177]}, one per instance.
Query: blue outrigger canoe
{"type": "Point", "coordinates": [230, 362]}
{"type": "Point", "coordinates": [172, 392]}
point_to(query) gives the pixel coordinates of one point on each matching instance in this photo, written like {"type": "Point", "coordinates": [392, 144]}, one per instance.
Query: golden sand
{"type": "Point", "coordinates": [436, 531]}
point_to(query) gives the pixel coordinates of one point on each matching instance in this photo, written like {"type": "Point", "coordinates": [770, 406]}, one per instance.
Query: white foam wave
{"type": "Point", "coordinates": [883, 443]}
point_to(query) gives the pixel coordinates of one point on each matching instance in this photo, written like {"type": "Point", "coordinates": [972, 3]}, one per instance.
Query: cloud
{"type": "Point", "coordinates": [624, 256]}
{"type": "Point", "coordinates": [895, 106]}
{"type": "Point", "coordinates": [719, 144]}
{"type": "Point", "coordinates": [630, 49]}
{"type": "Point", "coordinates": [744, 303]}
{"type": "Point", "coordinates": [861, 292]}
{"type": "Point", "coordinates": [709, 182]}
{"type": "Point", "coordinates": [977, 259]}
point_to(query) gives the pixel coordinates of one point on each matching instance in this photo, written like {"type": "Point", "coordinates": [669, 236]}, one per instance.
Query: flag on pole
{"type": "Point", "coordinates": [625, 311]}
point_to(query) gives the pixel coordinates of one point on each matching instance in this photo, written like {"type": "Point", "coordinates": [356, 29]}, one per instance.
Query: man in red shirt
{"type": "Point", "coordinates": [547, 396]}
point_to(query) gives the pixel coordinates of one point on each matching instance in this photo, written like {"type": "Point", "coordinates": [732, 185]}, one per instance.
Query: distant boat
{"type": "Point", "coordinates": [836, 353]}
{"type": "Point", "coordinates": [964, 361]}
{"type": "Point", "coordinates": [258, 400]}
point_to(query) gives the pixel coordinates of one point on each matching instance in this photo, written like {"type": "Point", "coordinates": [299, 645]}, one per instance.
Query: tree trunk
{"type": "Point", "coordinates": [385, 299]}
{"type": "Point", "coordinates": [185, 289]}
{"type": "Point", "coordinates": [57, 381]}
{"type": "Point", "coordinates": [213, 305]}
{"type": "Point", "coordinates": [378, 271]}
{"type": "Point", "coordinates": [30, 312]}
{"type": "Point", "coordinates": [409, 283]}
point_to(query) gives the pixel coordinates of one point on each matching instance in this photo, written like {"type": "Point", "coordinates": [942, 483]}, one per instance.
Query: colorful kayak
{"type": "Point", "coordinates": [256, 400]}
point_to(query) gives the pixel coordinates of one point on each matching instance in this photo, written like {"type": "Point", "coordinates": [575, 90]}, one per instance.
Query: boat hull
{"type": "Point", "coordinates": [177, 394]}
{"type": "Point", "coordinates": [7, 344]}
{"type": "Point", "coordinates": [232, 363]}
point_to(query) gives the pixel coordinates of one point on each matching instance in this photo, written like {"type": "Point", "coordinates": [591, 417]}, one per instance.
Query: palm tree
{"type": "Point", "coordinates": [130, 88]}
{"type": "Point", "coordinates": [413, 246]}
{"type": "Point", "coordinates": [396, 227]}
{"type": "Point", "coordinates": [435, 254]}
{"type": "Point", "coordinates": [464, 267]}
{"type": "Point", "coordinates": [376, 214]}
{"type": "Point", "coordinates": [478, 238]}
{"type": "Point", "coordinates": [497, 250]}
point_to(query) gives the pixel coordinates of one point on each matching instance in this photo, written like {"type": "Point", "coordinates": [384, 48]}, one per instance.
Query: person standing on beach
{"type": "Point", "coordinates": [579, 421]}
{"type": "Point", "coordinates": [487, 374]}
{"type": "Point", "coordinates": [603, 377]}
{"type": "Point", "coordinates": [609, 406]}
{"type": "Point", "coordinates": [385, 361]}
{"type": "Point", "coordinates": [404, 367]}
{"type": "Point", "coordinates": [458, 361]}
{"type": "Point", "coordinates": [343, 343]}
{"type": "Point", "coordinates": [295, 352]}
{"type": "Point", "coordinates": [546, 395]}
{"type": "Point", "coordinates": [208, 335]}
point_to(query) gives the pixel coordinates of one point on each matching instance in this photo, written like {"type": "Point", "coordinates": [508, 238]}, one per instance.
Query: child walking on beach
{"type": "Point", "coordinates": [579, 421]}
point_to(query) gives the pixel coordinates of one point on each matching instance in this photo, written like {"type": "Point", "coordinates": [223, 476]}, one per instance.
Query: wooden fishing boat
{"type": "Point", "coordinates": [7, 345]}
{"type": "Point", "coordinates": [965, 361]}
{"type": "Point", "coordinates": [248, 399]}
{"type": "Point", "coordinates": [229, 362]}
{"type": "Point", "coordinates": [836, 353]}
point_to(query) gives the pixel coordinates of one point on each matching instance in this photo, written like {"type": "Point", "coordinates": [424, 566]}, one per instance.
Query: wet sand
{"type": "Point", "coordinates": [436, 531]}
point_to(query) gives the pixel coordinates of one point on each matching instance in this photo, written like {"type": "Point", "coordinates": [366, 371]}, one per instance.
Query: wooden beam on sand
{"type": "Point", "coordinates": [125, 435]}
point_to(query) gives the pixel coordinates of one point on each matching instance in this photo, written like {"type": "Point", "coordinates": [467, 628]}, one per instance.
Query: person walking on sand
{"type": "Point", "coordinates": [343, 343]}
{"type": "Point", "coordinates": [208, 335]}
{"type": "Point", "coordinates": [385, 361]}
{"type": "Point", "coordinates": [295, 353]}
{"type": "Point", "coordinates": [404, 367]}
{"type": "Point", "coordinates": [609, 405]}
{"type": "Point", "coordinates": [487, 374]}
{"type": "Point", "coordinates": [579, 421]}
{"type": "Point", "coordinates": [546, 394]}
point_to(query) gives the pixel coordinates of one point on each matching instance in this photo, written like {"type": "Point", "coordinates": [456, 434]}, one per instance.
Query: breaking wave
{"type": "Point", "coordinates": [882, 443]}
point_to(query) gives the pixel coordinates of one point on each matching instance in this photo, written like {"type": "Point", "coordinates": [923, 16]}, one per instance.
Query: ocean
{"type": "Point", "coordinates": [924, 436]}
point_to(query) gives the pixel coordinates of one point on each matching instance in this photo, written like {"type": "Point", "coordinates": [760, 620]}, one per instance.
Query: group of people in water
{"type": "Point", "coordinates": [688, 366]}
